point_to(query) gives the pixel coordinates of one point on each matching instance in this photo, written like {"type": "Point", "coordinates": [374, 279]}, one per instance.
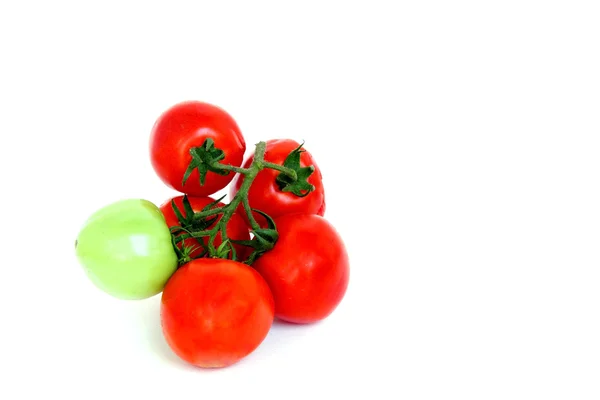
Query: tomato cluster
{"type": "Point", "coordinates": [225, 270]}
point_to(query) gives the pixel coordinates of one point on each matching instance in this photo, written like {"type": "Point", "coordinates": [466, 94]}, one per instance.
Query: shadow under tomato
{"type": "Point", "coordinates": [292, 324]}
{"type": "Point", "coordinates": [278, 342]}
{"type": "Point", "coordinates": [151, 331]}
{"type": "Point", "coordinates": [282, 335]}
{"type": "Point", "coordinates": [150, 325]}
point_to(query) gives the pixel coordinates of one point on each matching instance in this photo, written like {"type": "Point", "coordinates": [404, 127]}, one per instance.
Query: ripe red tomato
{"type": "Point", "coordinates": [236, 227]}
{"type": "Point", "coordinates": [187, 125]}
{"type": "Point", "coordinates": [307, 270]}
{"type": "Point", "coordinates": [214, 312]}
{"type": "Point", "coordinates": [265, 194]}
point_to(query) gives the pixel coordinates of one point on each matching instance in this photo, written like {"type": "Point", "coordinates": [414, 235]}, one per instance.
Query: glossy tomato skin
{"type": "Point", "coordinates": [307, 270]}
{"type": "Point", "coordinates": [236, 227]}
{"type": "Point", "coordinates": [186, 125]}
{"type": "Point", "coordinates": [125, 249]}
{"type": "Point", "coordinates": [214, 312]}
{"type": "Point", "coordinates": [265, 194]}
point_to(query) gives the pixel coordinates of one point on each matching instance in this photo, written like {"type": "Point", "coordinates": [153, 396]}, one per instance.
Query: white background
{"type": "Point", "coordinates": [459, 146]}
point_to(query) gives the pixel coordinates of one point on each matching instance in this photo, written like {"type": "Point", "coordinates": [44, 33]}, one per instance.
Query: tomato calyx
{"type": "Point", "coordinates": [292, 178]}
{"type": "Point", "coordinates": [263, 239]}
{"type": "Point", "coordinates": [184, 254]}
{"type": "Point", "coordinates": [191, 219]}
{"type": "Point", "coordinates": [190, 222]}
{"type": "Point", "coordinates": [298, 185]}
{"type": "Point", "coordinates": [205, 158]}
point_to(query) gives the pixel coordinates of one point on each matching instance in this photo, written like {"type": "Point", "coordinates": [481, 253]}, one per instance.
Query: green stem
{"type": "Point", "coordinates": [195, 235]}
{"type": "Point", "coordinates": [241, 197]}
{"type": "Point", "coordinates": [208, 213]}
{"type": "Point", "coordinates": [249, 176]}
{"type": "Point", "coordinates": [227, 210]}
{"type": "Point", "coordinates": [212, 250]}
{"type": "Point", "coordinates": [287, 171]}
{"type": "Point", "coordinates": [233, 168]}
{"type": "Point", "coordinates": [250, 214]}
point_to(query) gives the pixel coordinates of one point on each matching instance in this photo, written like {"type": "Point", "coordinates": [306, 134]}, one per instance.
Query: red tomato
{"type": "Point", "coordinates": [187, 125]}
{"type": "Point", "coordinates": [307, 270]}
{"type": "Point", "coordinates": [236, 227]}
{"type": "Point", "coordinates": [265, 194]}
{"type": "Point", "coordinates": [214, 312]}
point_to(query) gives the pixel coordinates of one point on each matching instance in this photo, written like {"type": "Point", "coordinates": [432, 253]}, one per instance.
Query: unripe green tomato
{"type": "Point", "coordinates": [125, 249]}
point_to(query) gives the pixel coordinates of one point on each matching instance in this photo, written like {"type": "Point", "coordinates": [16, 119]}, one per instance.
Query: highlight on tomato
{"type": "Point", "coordinates": [214, 312]}
{"type": "Point", "coordinates": [179, 149]}
{"type": "Point", "coordinates": [307, 269]}
{"type": "Point", "coordinates": [274, 192]}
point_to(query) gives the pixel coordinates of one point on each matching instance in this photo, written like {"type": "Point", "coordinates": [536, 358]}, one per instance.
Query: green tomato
{"type": "Point", "coordinates": [126, 249]}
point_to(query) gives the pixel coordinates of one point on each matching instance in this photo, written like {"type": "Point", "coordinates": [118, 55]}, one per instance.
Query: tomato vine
{"type": "Point", "coordinates": [291, 178]}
